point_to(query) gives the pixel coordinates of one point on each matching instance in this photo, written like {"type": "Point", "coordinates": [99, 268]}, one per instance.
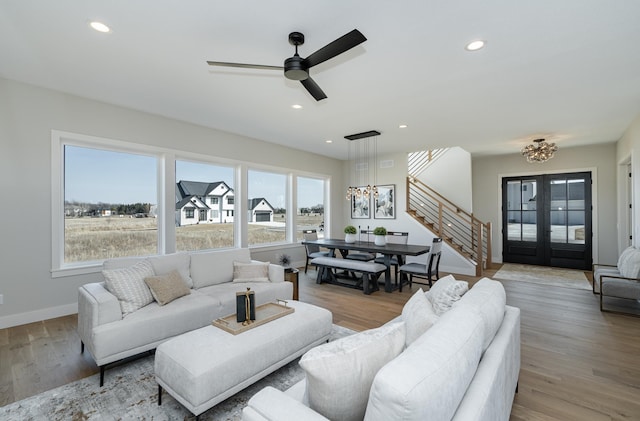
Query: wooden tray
{"type": "Point", "coordinates": [264, 314]}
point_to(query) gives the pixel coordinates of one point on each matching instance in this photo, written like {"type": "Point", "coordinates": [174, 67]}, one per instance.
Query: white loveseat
{"type": "Point", "coordinates": [465, 367]}
{"type": "Point", "coordinates": [111, 336]}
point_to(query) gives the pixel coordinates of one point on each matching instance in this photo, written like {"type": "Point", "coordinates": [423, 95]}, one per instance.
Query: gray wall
{"type": "Point", "coordinates": [600, 159]}
{"type": "Point", "coordinates": [27, 116]}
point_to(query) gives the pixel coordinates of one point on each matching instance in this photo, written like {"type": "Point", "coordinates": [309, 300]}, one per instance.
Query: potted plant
{"type": "Point", "coordinates": [350, 234]}
{"type": "Point", "coordinates": [379, 236]}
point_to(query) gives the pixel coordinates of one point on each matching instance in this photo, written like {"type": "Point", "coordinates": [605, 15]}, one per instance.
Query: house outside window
{"type": "Point", "coordinates": [267, 193]}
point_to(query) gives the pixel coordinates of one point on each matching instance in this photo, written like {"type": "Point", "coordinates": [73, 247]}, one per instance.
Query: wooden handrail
{"type": "Point", "coordinates": [467, 233]}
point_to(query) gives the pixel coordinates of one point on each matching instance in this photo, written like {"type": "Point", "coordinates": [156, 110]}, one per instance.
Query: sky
{"type": "Point", "coordinates": [95, 175]}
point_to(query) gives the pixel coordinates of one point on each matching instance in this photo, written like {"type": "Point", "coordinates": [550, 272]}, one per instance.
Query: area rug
{"type": "Point", "coordinates": [566, 278]}
{"type": "Point", "coordinates": [130, 392]}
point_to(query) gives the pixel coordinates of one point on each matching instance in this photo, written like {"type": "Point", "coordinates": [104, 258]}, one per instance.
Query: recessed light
{"type": "Point", "coordinates": [403, 126]}
{"type": "Point", "coordinates": [328, 141]}
{"type": "Point", "coordinates": [296, 106]}
{"type": "Point", "coordinates": [475, 45]}
{"type": "Point", "coordinates": [100, 27]}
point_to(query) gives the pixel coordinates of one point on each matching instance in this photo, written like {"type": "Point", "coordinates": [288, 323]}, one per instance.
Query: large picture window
{"type": "Point", "coordinates": [115, 199]}
{"type": "Point", "coordinates": [110, 203]}
{"type": "Point", "coordinates": [207, 188]}
{"type": "Point", "coordinates": [310, 206]}
{"type": "Point", "coordinates": [267, 216]}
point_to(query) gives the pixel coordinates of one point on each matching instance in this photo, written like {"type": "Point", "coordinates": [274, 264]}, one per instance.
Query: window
{"type": "Point", "coordinates": [110, 203]}
{"type": "Point", "coordinates": [310, 206]}
{"type": "Point", "coordinates": [105, 203]}
{"type": "Point", "coordinates": [267, 215]}
{"type": "Point", "coordinates": [197, 181]}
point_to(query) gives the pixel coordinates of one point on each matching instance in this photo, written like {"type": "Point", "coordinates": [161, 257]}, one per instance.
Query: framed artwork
{"type": "Point", "coordinates": [385, 204]}
{"type": "Point", "coordinates": [360, 207]}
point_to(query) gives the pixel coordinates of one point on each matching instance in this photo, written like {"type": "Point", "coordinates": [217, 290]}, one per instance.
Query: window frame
{"type": "Point", "coordinates": [165, 185]}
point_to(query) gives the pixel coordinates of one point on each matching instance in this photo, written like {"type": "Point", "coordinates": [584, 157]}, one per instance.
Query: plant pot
{"type": "Point", "coordinates": [349, 238]}
{"type": "Point", "coordinates": [380, 240]}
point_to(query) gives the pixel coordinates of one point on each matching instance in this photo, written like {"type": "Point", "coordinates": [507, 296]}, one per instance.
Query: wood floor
{"type": "Point", "coordinates": [577, 363]}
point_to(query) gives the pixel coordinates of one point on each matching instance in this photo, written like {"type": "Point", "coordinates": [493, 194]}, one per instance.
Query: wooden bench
{"type": "Point", "coordinates": [370, 271]}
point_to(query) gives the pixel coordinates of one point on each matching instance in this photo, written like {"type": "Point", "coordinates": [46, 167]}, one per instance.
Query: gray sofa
{"type": "Point", "coordinates": [109, 336]}
{"type": "Point", "coordinates": [465, 367]}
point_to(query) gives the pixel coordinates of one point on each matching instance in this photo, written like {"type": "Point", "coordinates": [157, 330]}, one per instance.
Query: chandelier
{"type": "Point", "coordinates": [364, 151]}
{"type": "Point", "coordinates": [540, 151]}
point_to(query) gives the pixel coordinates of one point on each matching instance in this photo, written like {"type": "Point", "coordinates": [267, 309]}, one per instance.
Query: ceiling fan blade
{"type": "Point", "coordinates": [313, 89]}
{"type": "Point", "coordinates": [335, 48]}
{"type": "Point", "coordinates": [244, 66]}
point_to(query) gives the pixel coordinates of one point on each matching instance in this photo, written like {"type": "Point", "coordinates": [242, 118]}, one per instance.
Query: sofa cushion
{"type": "Point", "coordinates": [418, 316]}
{"type": "Point", "coordinates": [339, 374]}
{"type": "Point", "coordinates": [168, 262]}
{"type": "Point", "coordinates": [251, 272]}
{"type": "Point", "coordinates": [445, 292]}
{"type": "Point", "coordinates": [168, 287]}
{"type": "Point", "coordinates": [216, 267]}
{"type": "Point", "coordinates": [430, 378]}
{"type": "Point", "coordinates": [128, 285]}
{"type": "Point", "coordinates": [488, 299]}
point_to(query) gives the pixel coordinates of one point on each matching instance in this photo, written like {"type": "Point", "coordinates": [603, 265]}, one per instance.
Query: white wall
{"type": "Point", "coordinates": [450, 175]}
{"type": "Point", "coordinates": [628, 150]}
{"type": "Point", "coordinates": [27, 116]}
{"type": "Point", "coordinates": [601, 159]}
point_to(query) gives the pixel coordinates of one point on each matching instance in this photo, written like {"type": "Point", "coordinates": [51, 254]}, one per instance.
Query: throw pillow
{"type": "Point", "coordinates": [251, 272]}
{"type": "Point", "coordinates": [168, 262]}
{"type": "Point", "coordinates": [127, 284]}
{"type": "Point", "coordinates": [418, 316]}
{"type": "Point", "coordinates": [339, 374]}
{"type": "Point", "coordinates": [166, 288]}
{"type": "Point", "coordinates": [445, 292]}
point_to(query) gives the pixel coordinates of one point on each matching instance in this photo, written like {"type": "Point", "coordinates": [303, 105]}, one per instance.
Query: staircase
{"type": "Point", "coordinates": [459, 229]}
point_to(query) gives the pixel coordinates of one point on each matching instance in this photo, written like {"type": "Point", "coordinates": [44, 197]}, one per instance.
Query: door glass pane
{"type": "Point", "coordinates": [575, 194]}
{"type": "Point", "coordinates": [576, 228]}
{"type": "Point", "coordinates": [529, 225]}
{"type": "Point", "coordinates": [559, 226]}
{"type": "Point", "coordinates": [521, 206]}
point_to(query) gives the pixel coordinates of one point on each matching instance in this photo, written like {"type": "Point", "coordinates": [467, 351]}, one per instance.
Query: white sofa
{"type": "Point", "coordinates": [109, 336]}
{"type": "Point", "coordinates": [465, 367]}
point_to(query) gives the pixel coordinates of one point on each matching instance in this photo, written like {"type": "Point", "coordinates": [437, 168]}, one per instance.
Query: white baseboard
{"type": "Point", "coordinates": [37, 315]}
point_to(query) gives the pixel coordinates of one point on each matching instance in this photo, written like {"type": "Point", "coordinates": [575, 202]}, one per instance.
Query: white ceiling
{"type": "Point", "coordinates": [567, 70]}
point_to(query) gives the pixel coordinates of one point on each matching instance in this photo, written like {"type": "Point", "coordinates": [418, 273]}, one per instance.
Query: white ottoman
{"type": "Point", "coordinates": [203, 367]}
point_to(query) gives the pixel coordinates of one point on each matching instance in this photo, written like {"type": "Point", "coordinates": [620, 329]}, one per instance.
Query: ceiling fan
{"type": "Point", "coordinates": [297, 68]}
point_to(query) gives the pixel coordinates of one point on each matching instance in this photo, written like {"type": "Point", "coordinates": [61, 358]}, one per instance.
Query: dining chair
{"type": "Point", "coordinates": [424, 271]}
{"type": "Point", "coordinates": [312, 250]}
{"type": "Point", "coordinates": [362, 256]}
{"type": "Point", "coordinates": [394, 237]}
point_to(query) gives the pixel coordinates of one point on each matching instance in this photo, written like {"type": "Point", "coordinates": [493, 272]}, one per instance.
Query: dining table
{"type": "Point", "coordinates": [387, 250]}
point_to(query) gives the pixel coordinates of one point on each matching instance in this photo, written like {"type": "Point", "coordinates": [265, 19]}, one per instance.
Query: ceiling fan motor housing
{"type": "Point", "coordinates": [295, 68]}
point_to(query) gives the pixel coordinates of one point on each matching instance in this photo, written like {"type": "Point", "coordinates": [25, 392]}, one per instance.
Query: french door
{"type": "Point", "coordinates": [546, 220]}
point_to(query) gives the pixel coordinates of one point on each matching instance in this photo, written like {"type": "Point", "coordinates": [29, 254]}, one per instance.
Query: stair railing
{"type": "Point", "coordinates": [459, 228]}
